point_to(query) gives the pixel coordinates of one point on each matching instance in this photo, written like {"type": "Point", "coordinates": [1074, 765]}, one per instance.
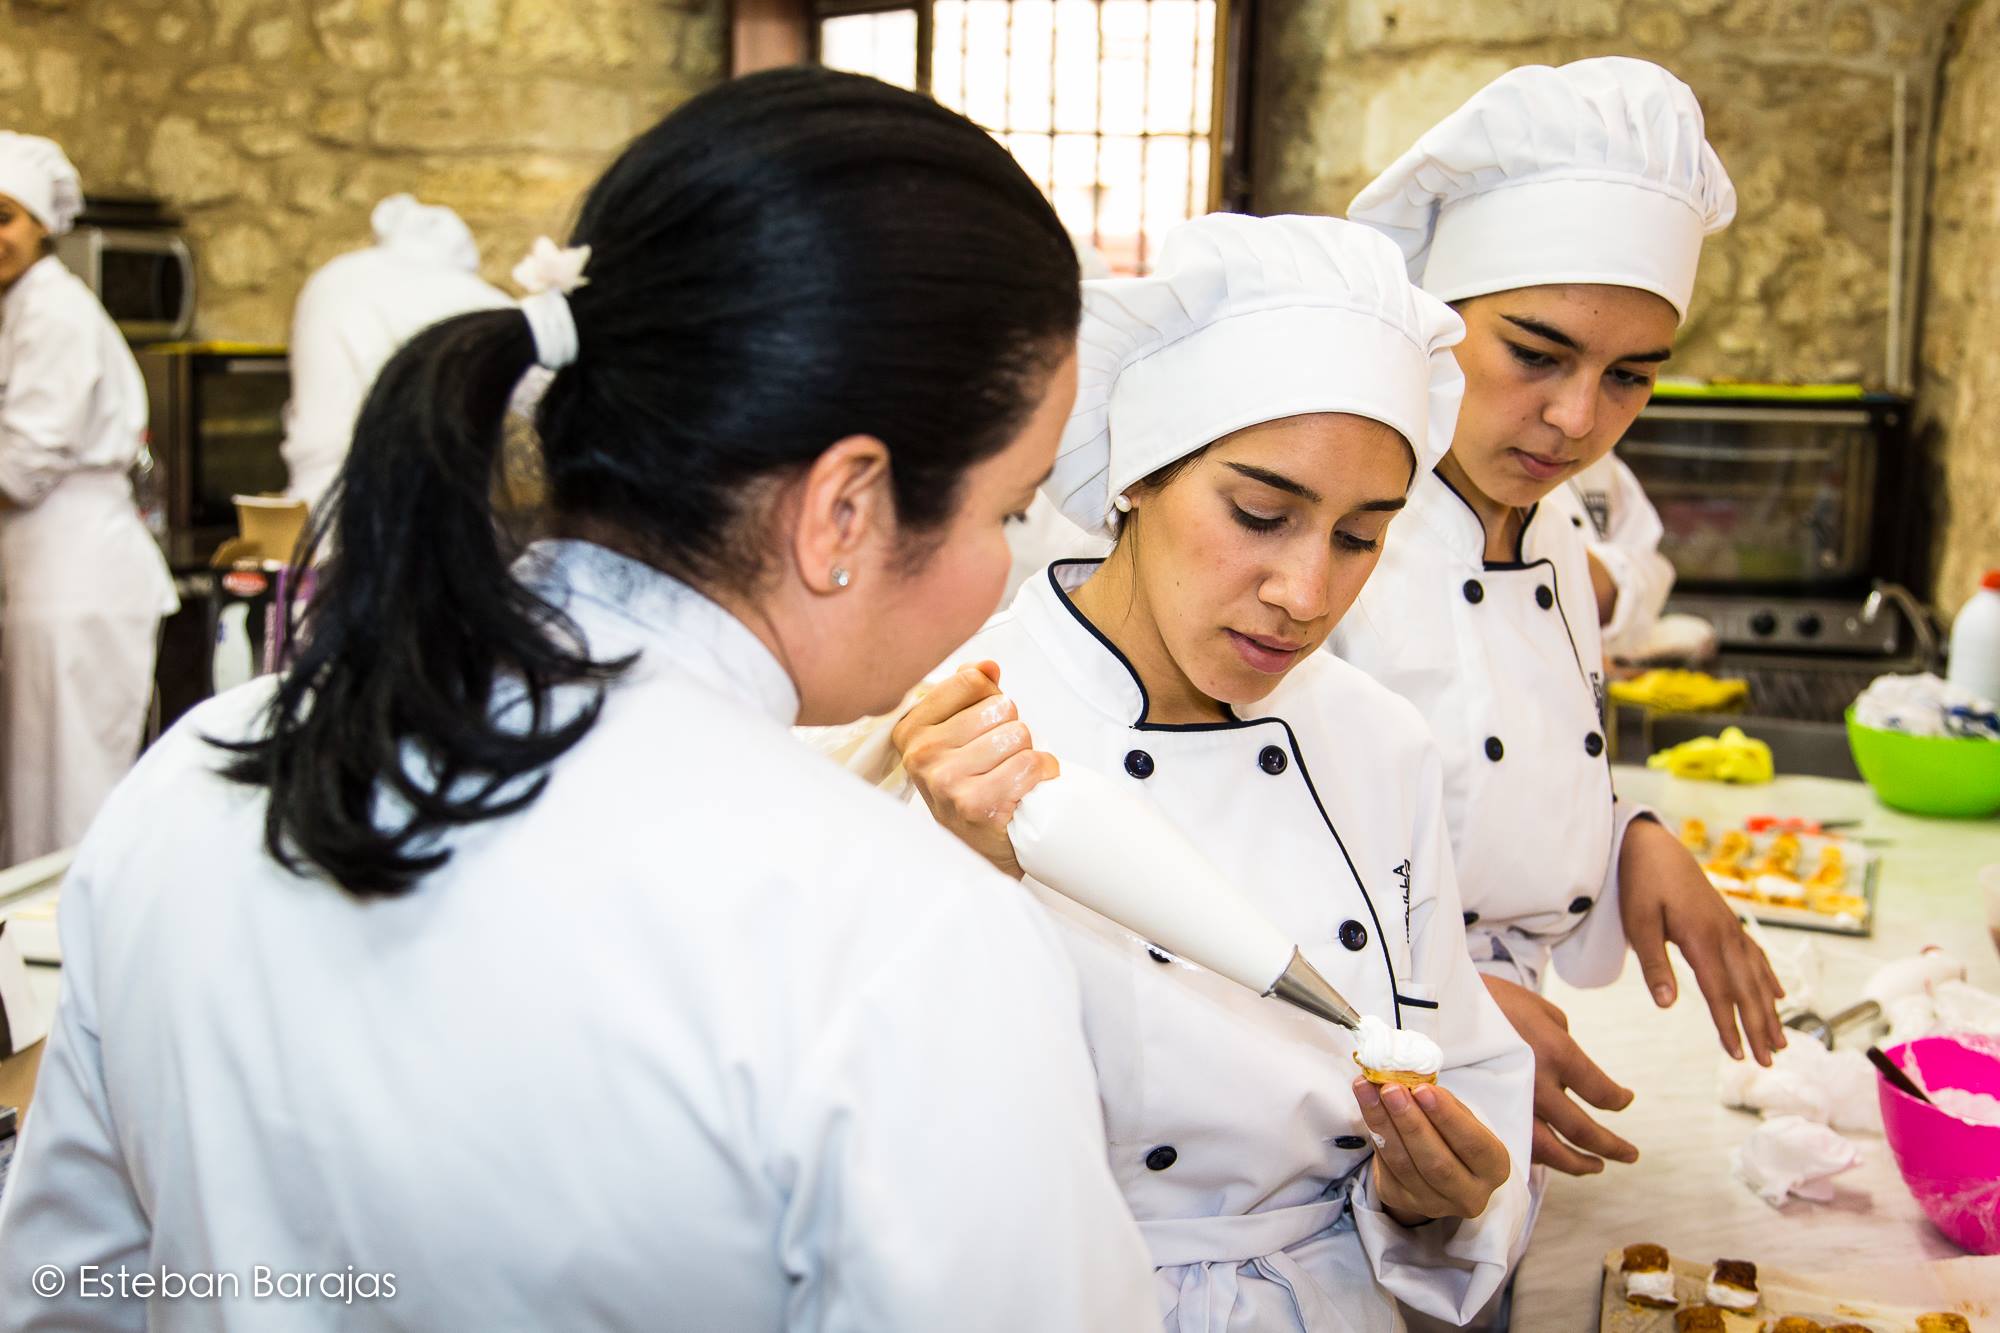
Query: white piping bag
{"type": "Point", "coordinates": [1118, 856]}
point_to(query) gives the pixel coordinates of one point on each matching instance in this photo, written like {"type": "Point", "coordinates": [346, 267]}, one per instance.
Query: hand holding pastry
{"type": "Point", "coordinates": [1561, 1067]}
{"type": "Point", "coordinates": [972, 760]}
{"type": "Point", "coordinates": [1663, 896]}
{"type": "Point", "coordinates": [1432, 1156]}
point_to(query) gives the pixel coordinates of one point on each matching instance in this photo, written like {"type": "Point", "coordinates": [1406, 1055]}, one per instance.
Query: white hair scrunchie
{"type": "Point", "coordinates": [549, 274]}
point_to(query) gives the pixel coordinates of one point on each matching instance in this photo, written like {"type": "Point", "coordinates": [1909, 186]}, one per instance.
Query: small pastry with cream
{"type": "Point", "coordinates": [1943, 1323]}
{"type": "Point", "coordinates": [1649, 1277]}
{"type": "Point", "coordinates": [1699, 1319]}
{"type": "Point", "coordinates": [1797, 1323]}
{"type": "Point", "coordinates": [1732, 1284]}
{"type": "Point", "coordinates": [1395, 1055]}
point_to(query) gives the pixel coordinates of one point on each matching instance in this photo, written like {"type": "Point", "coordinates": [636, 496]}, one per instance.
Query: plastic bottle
{"type": "Point", "coordinates": [1974, 663]}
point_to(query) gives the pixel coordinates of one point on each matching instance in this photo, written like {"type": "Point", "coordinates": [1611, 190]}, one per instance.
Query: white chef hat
{"type": "Point", "coordinates": [1247, 320]}
{"type": "Point", "coordinates": [430, 233]}
{"type": "Point", "coordinates": [1596, 172]}
{"type": "Point", "coordinates": [37, 174]}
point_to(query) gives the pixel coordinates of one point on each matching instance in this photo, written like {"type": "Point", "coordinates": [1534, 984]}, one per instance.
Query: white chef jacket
{"type": "Point", "coordinates": [1607, 504]}
{"type": "Point", "coordinates": [710, 1036]}
{"type": "Point", "coordinates": [1231, 1119]}
{"type": "Point", "coordinates": [85, 585]}
{"type": "Point", "coordinates": [352, 316]}
{"type": "Point", "coordinates": [1504, 661]}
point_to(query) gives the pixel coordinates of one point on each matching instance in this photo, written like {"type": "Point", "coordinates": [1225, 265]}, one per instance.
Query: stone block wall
{"type": "Point", "coordinates": [1959, 400]}
{"type": "Point", "coordinates": [1801, 100]}
{"type": "Point", "coordinates": [274, 126]}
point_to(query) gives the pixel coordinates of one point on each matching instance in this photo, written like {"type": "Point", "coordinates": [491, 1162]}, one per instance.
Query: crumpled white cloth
{"type": "Point", "coordinates": [1807, 1082]}
{"type": "Point", "coordinates": [1924, 705]}
{"type": "Point", "coordinates": [1790, 1155]}
{"type": "Point", "coordinates": [1949, 1006]}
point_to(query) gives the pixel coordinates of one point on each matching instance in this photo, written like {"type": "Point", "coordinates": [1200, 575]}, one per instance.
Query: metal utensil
{"type": "Point", "coordinates": [1824, 1030]}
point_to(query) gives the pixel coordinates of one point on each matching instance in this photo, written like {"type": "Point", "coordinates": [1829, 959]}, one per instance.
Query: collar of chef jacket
{"type": "Point", "coordinates": [625, 606]}
{"type": "Point", "coordinates": [1437, 504]}
{"type": "Point", "coordinates": [38, 274]}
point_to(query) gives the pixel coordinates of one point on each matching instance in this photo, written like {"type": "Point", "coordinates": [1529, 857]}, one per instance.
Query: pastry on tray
{"type": "Point", "coordinates": [1395, 1055]}
{"type": "Point", "coordinates": [1796, 1323]}
{"type": "Point", "coordinates": [1732, 1284]}
{"type": "Point", "coordinates": [1699, 1319]}
{"type": "Point", "coordinates": [1850, 1328]}
{"type": "Point", "coordinates": [1649, 1277]}
{"type": "Point", "coordinates": [1943, 1323]}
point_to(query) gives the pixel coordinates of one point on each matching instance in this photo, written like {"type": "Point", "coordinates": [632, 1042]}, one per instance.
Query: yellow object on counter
{"type": "Point", "coordinates": [1680, 691]}
{"type": "Point", "coordinates": [1730, 757]}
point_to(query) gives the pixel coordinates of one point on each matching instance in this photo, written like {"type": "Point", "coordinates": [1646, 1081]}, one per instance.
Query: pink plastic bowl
{"type": "Point", "coordinates": [1953, 1168]}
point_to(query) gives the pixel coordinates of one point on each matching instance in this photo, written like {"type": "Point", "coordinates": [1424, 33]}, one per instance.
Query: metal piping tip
{"type": "Point", "coordinates": [1301, 985]}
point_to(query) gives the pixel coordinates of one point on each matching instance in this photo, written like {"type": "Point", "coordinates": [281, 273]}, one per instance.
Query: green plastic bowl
{"type": "Point", "coordinates": [1928, 775]}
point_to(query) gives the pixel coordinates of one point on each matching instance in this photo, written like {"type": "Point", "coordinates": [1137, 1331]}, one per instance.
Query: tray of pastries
{"type": "Point", "coordinates": [1648, 1290]}
{"type": "Point", "coordinates": [1790, 873]}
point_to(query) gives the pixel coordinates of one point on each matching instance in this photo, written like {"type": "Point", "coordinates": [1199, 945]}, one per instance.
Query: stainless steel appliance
{"type": "Point", "coordinates": [1791, 528]}
{"type": "Point", "coordinates": [130, 252]}
{"type": "Point", "coordinates": [217, 427]}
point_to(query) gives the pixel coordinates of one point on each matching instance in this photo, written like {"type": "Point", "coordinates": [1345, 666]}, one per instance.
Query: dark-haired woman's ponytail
{"type": "Point", "coordinates": [415, 621]}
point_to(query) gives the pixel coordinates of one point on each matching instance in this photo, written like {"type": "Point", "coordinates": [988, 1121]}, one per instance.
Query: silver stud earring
{"type": "Point", "coordinates": [840, 577]}
{"type": "Point", "coordinates": [1123, 503]}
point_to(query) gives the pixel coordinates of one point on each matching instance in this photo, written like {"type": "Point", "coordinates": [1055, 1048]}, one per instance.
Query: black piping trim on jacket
{"type": "Point", "coordinates": [1416, 1004]}
{"type": "Point", "coordinates": [1237, 724]}
{"type": "Point", "coordinates": [1520, 560]}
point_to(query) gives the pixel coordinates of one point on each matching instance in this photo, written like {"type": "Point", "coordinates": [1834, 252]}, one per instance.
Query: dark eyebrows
{"type": "Point", "coordinates": [1555, 335]}
{"type": "Point", "coordinates": [1277, 481]}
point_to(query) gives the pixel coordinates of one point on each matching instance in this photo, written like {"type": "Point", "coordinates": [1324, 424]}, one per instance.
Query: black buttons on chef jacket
{"type": "Point", "coordinates": [1472, 918]}
{"type": "Point", "coordinates": [1354, 935]}
{"type": "Point", "coordinates": [1350, 1143]}
{"type": "Point", "coordinates": [1158, 955]}
{"type": "Point", "coordinates": [1162, 1157]}
{"type": "Point", "coordinates": [1581, 905]}
{"type": "Point", "coordinates": [1593, 745]}
{"type": "Point", "coordinates": [1494, 749]}
{"type": "Point", "coordinates": [1139, 764]}
{"type": "Point", "coordinates": [1272, 760]}
{"type": "Point", "coordinates": [1575, 522]}
{"type": "Point", "coordinates": [1544, 597]}
{"type": "Point", "coordinates": [1473, 592]}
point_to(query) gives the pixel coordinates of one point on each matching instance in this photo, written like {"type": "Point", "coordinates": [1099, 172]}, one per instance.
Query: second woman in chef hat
{"type": "Point", "coordinates": [1249, 421]}
{"type": "Point", "coordinates": [1562, 212]}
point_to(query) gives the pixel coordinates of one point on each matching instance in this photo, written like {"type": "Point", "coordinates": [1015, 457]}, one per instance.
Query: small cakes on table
{"type": "Point", "coordinates": [1732, 1284]}
{"type": "Point", "coordinates": [1649, 1277]}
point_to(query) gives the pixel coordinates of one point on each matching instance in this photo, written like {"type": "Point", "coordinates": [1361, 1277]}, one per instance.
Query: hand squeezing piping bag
{"type": "Point", "coordinates": [1101, 847]}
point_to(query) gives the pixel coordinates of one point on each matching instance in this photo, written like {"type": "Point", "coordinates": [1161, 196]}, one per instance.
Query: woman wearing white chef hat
{"type": "Point", "coordinates": [84, 583]}
{"type": "Point", "coordinates": [356, 310]}
{"type": "Point", "coordinates": [1249, 419]}
{"type": "Point", "coordinates": [1562, 211]}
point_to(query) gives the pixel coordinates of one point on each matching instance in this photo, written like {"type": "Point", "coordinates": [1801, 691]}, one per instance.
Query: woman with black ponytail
{"type": "Point", "coordinates": [504, 963]}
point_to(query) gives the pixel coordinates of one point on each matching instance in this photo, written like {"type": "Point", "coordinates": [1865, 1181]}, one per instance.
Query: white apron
{"type": "Point", "coordinates": [1231, 1123]}
{"type": "Point", "coordinates": [84, 583]}
{"type": "Point", "coordinates": [1503, 659]}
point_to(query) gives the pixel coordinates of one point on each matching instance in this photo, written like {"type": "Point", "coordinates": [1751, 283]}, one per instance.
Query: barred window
{"type": "Point", "coordinates": [1110, 105]}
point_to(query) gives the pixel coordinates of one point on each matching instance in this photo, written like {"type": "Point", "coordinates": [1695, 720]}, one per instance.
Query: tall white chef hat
{"type": "Point", "coordinates": [1247, 320]}
{"type": "Point", "coordinates": [1596, 172]}
{"type": "Point", "coordinates": [37, 174]}
{"type": "Point", "coordinates": [428, 232]}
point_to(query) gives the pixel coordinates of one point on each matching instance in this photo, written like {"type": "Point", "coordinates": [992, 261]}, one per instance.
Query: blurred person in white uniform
{"type": "Point", "coordinates": [85, 585]}
{"type": "Point", "coordinates": [520, 954]}
{"type": "Point", "coordinates": [1249, 420]}
{"type": "Point", "coordinates": [355, 311]}
{"type": "Point", "coordinates": [1562, 212]}
{"type": "Point", "coordinates": [1629, 578]}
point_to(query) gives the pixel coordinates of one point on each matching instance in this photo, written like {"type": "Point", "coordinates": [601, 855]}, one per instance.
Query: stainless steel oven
{"type": "Point", "coordinates": [218, 425]}
{"type": "Point", "coordinates": [1791, 527]}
